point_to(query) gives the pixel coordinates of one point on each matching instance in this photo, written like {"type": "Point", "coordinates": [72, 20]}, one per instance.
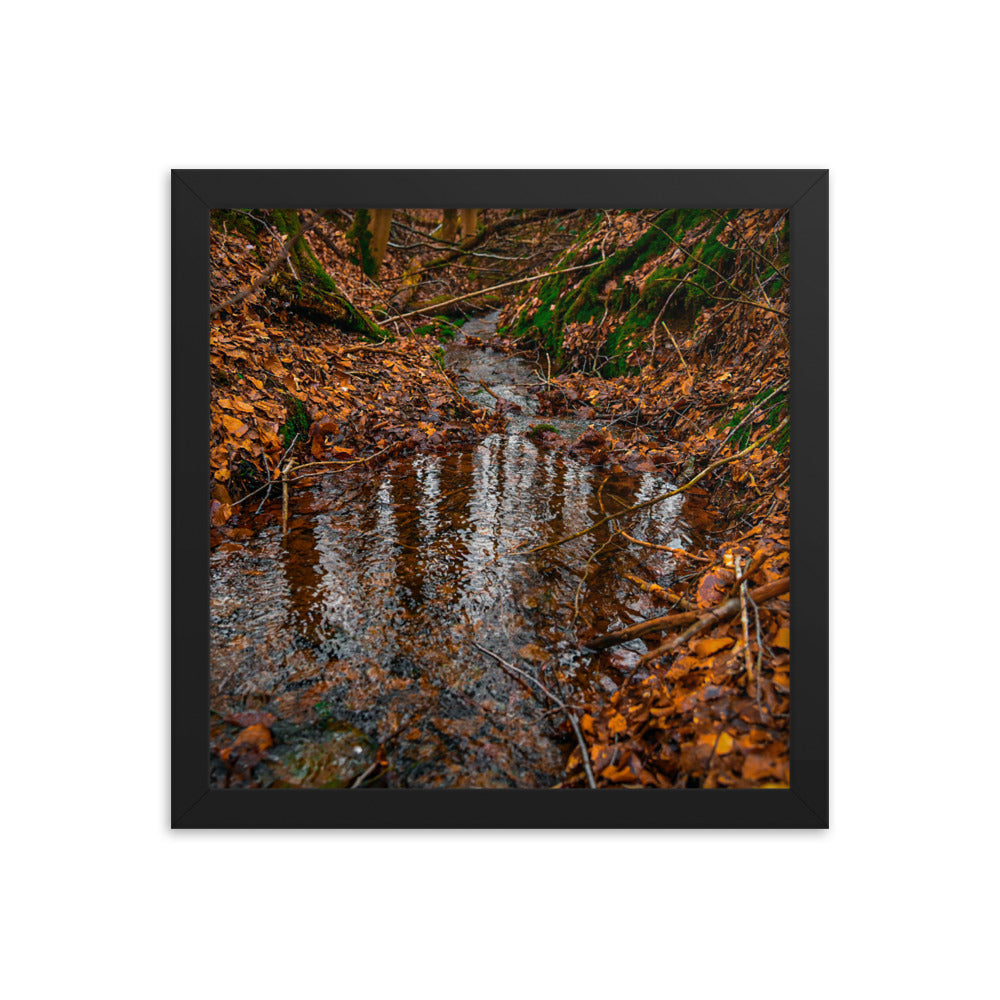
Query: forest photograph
{"type": "Point", "coordinates": [499, 498]}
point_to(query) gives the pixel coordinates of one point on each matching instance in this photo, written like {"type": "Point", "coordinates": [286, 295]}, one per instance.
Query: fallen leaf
{"type": "Point", "coordinates": [249, 745]}
{"type": "Point", "coordinates": [705, 647]}
{"type": "Point", "coordinates": [724, 746]}
{"type": "Point", "coordinates": [221, 512]}
{"type": "Point", "coordinates": [234, 425]}
{"type": "Point", "coordinates": [617, 723]}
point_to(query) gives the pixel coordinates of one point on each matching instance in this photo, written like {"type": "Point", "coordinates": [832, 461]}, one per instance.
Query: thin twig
{"type": "Point", "coordinates": [719, 614]}
{"type": "Point", "coordinates": [747, 655]}
{"type": "Point", "coordinates": [338, 462]}
{"type": "Point", "coordinates": [490, 391]}
{"type": "Point", "coordinates": [760, 643]}
{"type": "Point", "coordinates": [558, 701]}
{"type": "Point", "coordinates": [253, 493]}
{"type": "Point", "coordinates": [284, 501]}
{"type": "Point", "coordinates": [751, 412]}
{"type": "Point", "coordinates": [663, 548]}
{"type": "Point", "coordinates": [364, 774]}
{"type": "Point", "coordinates": [492, 288]}
{"type": "Point", "coordinates": [664, 496]}
{"type": "Point", "coordinates": [271, 268]}
{"type": "Point", "coordinates": [749, 246]}
{"type": "Point", "coordinates": [267, 469]}
{"type": "Point", "coordinates": [676, 345]}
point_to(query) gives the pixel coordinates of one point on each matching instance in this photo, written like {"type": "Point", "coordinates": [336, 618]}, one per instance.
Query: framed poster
{"type": "Point", "coordinates": [488, 517]}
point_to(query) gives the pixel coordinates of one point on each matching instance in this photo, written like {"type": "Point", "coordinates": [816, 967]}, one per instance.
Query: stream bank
{"type": "Point", "coordinates": [663, 339]}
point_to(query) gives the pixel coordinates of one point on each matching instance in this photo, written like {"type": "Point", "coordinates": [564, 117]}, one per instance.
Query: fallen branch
{"type": "Point", "coordinates": [769, 590]}
{"type": "Point", "coordinates": [493, 288]}
{"type": "Point", "coordinates": [271, 268]}
{"type": "Point", "coordinates": [337, 462]}
{"type": "Point", "coordinates": [641, 628]}
{"type": "Point", "coordinates": [663, 548]}
{"type": "Point", "coordinates": [490, 391]}
{"type": "Point", "coordinates": [724, 611]}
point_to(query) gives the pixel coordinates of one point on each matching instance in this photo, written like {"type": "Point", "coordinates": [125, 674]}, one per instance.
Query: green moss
{"type": "Point", "coordinates": [537, 429]}
{"type": "Point", "coordinates": [775, 408]}
{"type": "Point", "coordinates": [310, 271]}
{"type": "Point", "coordinates": [230, 221]}
{"type": "Point", "coordinates": [440, 327]}
{"type": "Point", "coordinates": [690, 284]}
{"type": "Point", "coordinates": [297, 421]}
{"type": "Point", "coordinates": [360, 236]}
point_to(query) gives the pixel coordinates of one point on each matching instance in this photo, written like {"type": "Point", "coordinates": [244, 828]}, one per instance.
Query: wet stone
{"type": "Point", "coordinates": [331, 756]}
{"type": "Point", "coordinates": [403, 667]}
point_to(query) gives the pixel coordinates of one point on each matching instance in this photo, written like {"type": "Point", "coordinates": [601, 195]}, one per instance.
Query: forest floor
{"type": "Point", "coordinates": [702, 400]}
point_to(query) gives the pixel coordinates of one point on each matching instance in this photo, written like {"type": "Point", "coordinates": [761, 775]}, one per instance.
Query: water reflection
{"type": "Point", "coordinates": [366, 613]}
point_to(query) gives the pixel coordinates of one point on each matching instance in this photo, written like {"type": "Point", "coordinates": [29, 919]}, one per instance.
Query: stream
{"type": "Point", "coordinates": [361, 628]}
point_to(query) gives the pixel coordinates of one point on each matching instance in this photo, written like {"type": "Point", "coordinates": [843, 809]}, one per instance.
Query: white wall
{"type": "Point", "coordinates": [101, 100]}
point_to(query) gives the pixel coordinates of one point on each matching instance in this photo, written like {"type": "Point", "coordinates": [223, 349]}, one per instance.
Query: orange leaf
{"type": "Point", "coordinates": [250, 743]}
{"type": "Point", "coordinates": [782, 639]}
{"type": "Point", "coordinates": [617, 723]}
{"type": "Point", "coordinates": [724, 746]}
{"type": "Point", "coordinates": [706, 647]}
{"type": "Point", "coordinates": [234, 425]}
{"type": "Point", "coordinates": [612, 773]}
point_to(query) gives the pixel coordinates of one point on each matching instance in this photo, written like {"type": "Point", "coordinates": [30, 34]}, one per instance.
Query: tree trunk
{"type": "Point", "coordinates": [449, 228]}
{"type": "Point", "coordinates": [380, 224]}
{"type": "Point", "coordinates": [470, 219]}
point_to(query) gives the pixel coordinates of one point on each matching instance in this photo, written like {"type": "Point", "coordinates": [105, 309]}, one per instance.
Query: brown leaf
{"type": "Point", "coordinates": [763, 765]}
{"type": "Point", "coordinates": [533, 653]}
{"type": "Point", "coordinates": [221, 512]}
{"type": "Point", "coordinates": [713, 588]}
{"type": "Point", "coordinates": [249, 746]}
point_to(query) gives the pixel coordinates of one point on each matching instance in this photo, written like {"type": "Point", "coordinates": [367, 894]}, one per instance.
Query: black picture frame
{"type": "Point", "coordinates": [805, 193]}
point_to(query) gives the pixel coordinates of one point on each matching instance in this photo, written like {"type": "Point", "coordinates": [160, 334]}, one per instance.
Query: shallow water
{"type": "Point", "coordinates": [359, 629]}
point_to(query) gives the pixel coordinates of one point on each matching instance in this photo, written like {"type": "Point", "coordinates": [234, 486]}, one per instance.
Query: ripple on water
{"type": "Point", "coordinates": [365, 615]}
